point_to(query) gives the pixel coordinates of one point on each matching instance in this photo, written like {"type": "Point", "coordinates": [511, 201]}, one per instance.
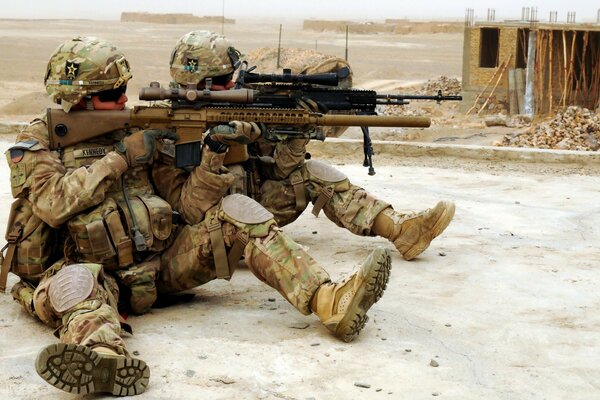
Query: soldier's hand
{"type": "Point", "coordinates": [138, 148]}
{"type": "Point", "coordinates": [236, 132]}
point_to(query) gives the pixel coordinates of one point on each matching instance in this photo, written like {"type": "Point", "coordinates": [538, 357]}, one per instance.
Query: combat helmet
{"type": "Point", "coordinates": [83, 66]}
{"type": "Point", "coordinates": [202, 54]}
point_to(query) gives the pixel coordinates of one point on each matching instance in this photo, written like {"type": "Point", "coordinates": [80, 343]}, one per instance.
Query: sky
{"type": "Point", "coordinates": [363, 10]}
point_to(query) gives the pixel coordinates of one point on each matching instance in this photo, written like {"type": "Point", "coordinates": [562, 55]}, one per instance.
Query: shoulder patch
{"type": "Point", "coordinates": [17, 151]}
{"type": "Point", "coordinates": [16, 155]}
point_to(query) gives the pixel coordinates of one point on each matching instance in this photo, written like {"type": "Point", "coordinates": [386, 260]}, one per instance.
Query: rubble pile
{"type": "Point", "coordinates": [448, 86]}
{"type": "Point", "coordinates": [404, 111]}
{"type": "Point", "coordinates": [575, 128]}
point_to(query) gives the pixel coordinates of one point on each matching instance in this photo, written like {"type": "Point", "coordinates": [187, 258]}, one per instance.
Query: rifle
{"type": "Point", "coordinates": [193, 111]}
{"type": "Point", "coordinates": [288, 90]}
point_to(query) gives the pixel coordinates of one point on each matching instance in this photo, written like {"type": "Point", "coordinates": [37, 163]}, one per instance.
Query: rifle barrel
{"type": "Point", "coordinates": [373, 120]}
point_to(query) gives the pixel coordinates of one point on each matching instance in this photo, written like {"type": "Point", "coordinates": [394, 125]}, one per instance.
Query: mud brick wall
{"type": "Point", "coordinates": [474, 77]}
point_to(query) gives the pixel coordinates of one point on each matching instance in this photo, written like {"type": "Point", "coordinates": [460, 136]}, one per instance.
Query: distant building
{"type": "Point", "coordinates": [534, 67]}
{"type": "Point", "coordinates": [172, 18]}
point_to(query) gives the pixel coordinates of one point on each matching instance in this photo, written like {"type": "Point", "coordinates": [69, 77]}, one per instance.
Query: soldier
{"type": "Point", "coordinates": [290, 182]}
{"type": "Point", "coordinates": [135, 227]}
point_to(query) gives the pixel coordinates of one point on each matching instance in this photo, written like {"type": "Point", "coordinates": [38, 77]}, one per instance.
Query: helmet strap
{"type": "Point", "coordinates": [89, 105]}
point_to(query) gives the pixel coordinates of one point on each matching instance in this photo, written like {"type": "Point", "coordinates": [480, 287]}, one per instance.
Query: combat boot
{"type": "Point", "coordinates": [411, 233]}
{"type": "Point", "coordinates": [342, 307]}
{"type": "Point", "coordinates": [78, 369]}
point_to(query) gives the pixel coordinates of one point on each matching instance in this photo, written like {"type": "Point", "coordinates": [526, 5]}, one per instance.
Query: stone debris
{"type": "Point", "coordinates": [448, 86]}
{"type": "Point", "coordinates": [434, 363]}
{"type": "Point", "coordinates": [362, 385]}
{"type": "Point", "coordinates": [515, 121]}
{"type": "Point", "coordinates": [574, 128]}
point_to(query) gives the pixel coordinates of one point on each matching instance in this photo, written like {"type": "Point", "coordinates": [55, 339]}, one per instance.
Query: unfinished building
{"type": "Point", "coordinates": [531, 67]}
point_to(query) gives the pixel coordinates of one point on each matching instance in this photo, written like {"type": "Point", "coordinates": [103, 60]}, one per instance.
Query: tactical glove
{"type": "Point", "coordinates": [138, 148]}
{"type": "Point", "coordinates": [236, 132]}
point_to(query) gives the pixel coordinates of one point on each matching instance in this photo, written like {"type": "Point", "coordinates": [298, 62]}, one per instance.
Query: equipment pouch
{"type": "Point", "coordinates": [154, 218]}
{"type": "Point", "coordinates": [91, 236]}
{"type": "Point", "coordinates": [32, 244]}
{"type": "Point", "coordinates": [161, 216]}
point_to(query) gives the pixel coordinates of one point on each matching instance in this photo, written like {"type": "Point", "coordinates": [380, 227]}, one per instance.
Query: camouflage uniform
{"type": "Point", "coordinates": [285, 187]}
{"type": "Point", "coordinates": [349, 206]}
{"type": "Point", "coordinates": [113, 201]}
{"type": "Point", "coordinates": [64, 187]}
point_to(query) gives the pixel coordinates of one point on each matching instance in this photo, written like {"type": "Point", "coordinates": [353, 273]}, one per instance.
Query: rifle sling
{"type": "Point", "coordinates": [12, 239]}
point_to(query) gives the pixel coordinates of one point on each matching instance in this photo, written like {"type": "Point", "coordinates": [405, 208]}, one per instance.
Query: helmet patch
{"type": "Point", "coordinates": [71, 70]}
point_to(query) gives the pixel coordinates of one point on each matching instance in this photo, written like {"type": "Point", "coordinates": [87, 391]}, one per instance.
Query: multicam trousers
{"type": "Point", "coordinates": [350, 207]}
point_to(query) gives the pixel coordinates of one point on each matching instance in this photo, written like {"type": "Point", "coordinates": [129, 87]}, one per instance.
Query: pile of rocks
{"type": "Point", "coordinates": [405, 111]}
{"type": "Point", "coordinates": [448, 86]}
{"type": "Point", "coordinates": [574, 128]}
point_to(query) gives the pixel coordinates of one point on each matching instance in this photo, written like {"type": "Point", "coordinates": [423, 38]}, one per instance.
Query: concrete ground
{"type": "Point", "coordinates": [505, 302]}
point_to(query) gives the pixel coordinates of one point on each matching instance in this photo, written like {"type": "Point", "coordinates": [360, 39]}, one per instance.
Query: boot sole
{"type": "Point", "coordinates": [368, 294]}
{"type": "Point", "coordinates": [77, 369]}
{"type": "Point", "coordinates": [438, 227]}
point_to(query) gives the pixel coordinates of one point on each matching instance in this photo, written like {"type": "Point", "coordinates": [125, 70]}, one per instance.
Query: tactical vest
{"type": "Point", "coordinates": [106, 233]}
{"type": "Point", "coordinates": [102, 234]}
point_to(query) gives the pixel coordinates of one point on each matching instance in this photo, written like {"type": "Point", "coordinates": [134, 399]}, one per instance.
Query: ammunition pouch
{"type": "Point", "coordinates": [140, 279]}
{"type": "Point", "coordinates": [32, 245]}
{"type": "Point", "coordinates": [102, 235]}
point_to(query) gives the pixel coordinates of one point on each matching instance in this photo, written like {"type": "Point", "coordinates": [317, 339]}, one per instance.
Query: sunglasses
{"type": "Point", "coordinates": [112, 94]}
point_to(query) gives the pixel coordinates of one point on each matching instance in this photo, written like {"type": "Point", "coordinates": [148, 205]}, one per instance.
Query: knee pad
{"type": "Point", "coordinates": [324, 172]}
{"type": "Point", "coordinates": [325, 180]}
{"type": "Point", "coordinates": [248, 216]}
{"type": "Point", "coordinates": [242, 210]}
{"type": "Point", "coordinates": [71, 285]}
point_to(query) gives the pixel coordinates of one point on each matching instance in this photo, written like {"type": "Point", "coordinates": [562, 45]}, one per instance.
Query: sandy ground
{"type": "Point", "coordinates": [505, 301]}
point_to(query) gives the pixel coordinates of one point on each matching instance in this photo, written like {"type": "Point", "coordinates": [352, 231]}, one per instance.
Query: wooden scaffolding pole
{"type": "Point", "coordinates": [496, 85]}
{"type": "Point", "coordinates": [571, 75]}
{"type": "Point", "coordinates": [582, 83]}
{"type": "Point", "coordinates": [550, 88]}
{"type": "Point", "coordinates": [480, 95]}
{"type": "Point", "coordinates": [563, 87]}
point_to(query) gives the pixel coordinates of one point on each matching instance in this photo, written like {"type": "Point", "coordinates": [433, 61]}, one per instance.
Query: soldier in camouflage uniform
{"type": "Point", "coordinates": [289, 182]}
{"type": "Point", "coordinates": [111, 202]}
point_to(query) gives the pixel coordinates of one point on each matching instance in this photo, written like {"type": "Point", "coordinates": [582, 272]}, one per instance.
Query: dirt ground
{"type": "Point", "coordinates": [505, 301]}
